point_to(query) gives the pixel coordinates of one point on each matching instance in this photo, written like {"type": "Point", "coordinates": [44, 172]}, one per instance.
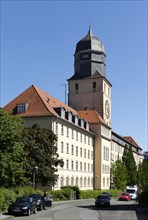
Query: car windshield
{"type": "Point", "coordinates": [124, 194]}
{"type": "Point", "coordinates": [103, 197]}
{"type": "Point", "coordinates": [22, 200]}
{"type": "Point", "coordinates": [130, 190]}
{"type": "Point", "coordinates": [35, 196]}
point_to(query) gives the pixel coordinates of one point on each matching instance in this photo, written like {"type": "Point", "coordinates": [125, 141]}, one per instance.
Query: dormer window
{"type": "Point", "coordinates": [87, 125]}
{"type": "Point", "coordinates": [21, 108]}
{"type": "Point", "coordinates": [68, 116]}
{"type": "Point", "coordinates": [76, 120]}
{"type": "Point", "coordinates": [62, 113]}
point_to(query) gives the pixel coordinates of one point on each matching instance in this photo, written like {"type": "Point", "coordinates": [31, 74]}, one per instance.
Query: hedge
{"type": "Point", "coordinates": [7, 196]}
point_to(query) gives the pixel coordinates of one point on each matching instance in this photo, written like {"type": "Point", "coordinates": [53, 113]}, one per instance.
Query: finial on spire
{"type": "Point", "coordinates": [90, 33]}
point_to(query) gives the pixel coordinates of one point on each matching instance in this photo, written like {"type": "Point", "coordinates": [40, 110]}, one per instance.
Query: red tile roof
{"type": "Point", "coordinates": [131, 140]}
{"type": "Point", "coordinates": [91, 115]}
{"type": "Point", "coordinates": [38, 103]}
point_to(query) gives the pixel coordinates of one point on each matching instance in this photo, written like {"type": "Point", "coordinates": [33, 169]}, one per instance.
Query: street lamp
{"type": "Point", "coordinates": [33, 179]}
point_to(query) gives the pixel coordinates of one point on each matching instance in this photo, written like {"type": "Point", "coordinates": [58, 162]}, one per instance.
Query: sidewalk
{"type": "Point", "coordinates": [3, 216]}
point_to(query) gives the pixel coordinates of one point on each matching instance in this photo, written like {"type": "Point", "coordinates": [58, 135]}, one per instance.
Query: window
{"type": "Point", "coordinates": [84, 166]}
{"type": "Point", "coordinates": [72, 134]}
{"type": "Point", "coordinates": [67, 164]}
{"type": "Point", "coordinates": [77, 181]}
{"type": "Point", "coordinates": [88, 154]}
{"type": "Point", "coordinates": [85, 56]}
{"type": "Point", "coordinates": [56, 127]}
{"type": "Point", "coordinates": [81, 137]}
{"type": "Point", "coordinates": [94, 86]}
{"type": "Point", "coordinates": [76, 87]}
{"type": "Point", "coordinates": [62, 181]}
{"type": "Point", "coordinates": [72, 165]}
{"type": "Point", "coordinates": [88, 167]}
{"type": "Point", "coordinates": [85, 139]}
{"type": "Point", "coordinates": [106, 154]}
{"type": "Point", "coordinates": [91, 167]}
{"type": "Point", "coordinates": [62, 113]}
{"type": "Point", "coordinates": [76, 150]}
{"type": "Point", "coordinates": [91, 155]}
{"type": "Point", "coordinates": [72, 181]}
{"type": "Point", "coordinates": [108, 92]}
{"type": "Point", "coordinates": [81, 152]}
{"type": "Point", "coordinates": [67, 181]}
{"type": "Point", "coordinates": [84, 153]}
{"type": "Point", "coordinates": [67, 148]}
{"type": "Point", "coordinates": [104, 87]}
{"type": "Point", "coordinates": [81, 166]}
{"type": "Point", "coordinates": [76, 135]}
{"type": "Point", "coordinates": [62, 147]}
{"type": "Point", "coordinates": [85, 181]}
{"type": "Point", "coordinates": [21, 108]}
{"type": "Point", "coordinates": [67, 132]}
{"type": "Point", "coordinates": [76, 165]}
{"type": "Point", "coordinates": [72, 150]}
{"type": "Point", "coordinates": [62, 130]}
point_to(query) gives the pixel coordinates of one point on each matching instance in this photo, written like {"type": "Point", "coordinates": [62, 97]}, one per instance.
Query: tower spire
{"type": "Point", "coordinates": [90, 33]}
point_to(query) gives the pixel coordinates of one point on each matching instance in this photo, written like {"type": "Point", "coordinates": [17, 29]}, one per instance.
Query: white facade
{"type": "Point", "coordinates": [75, 147]}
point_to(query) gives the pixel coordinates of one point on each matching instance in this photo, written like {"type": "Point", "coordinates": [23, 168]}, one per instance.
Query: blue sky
{"type": "Point", "coordinates": [38, 40]}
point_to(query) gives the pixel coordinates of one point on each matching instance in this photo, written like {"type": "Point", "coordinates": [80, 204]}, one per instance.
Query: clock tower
{"type": "Point", "coordinates": [88, 87]}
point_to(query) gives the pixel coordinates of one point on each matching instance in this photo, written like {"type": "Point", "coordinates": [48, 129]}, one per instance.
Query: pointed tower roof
{"type": "Point", "coordinates": [90, 42]}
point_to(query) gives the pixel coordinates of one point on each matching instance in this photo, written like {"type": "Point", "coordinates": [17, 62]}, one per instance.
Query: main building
{"type": "Point", "coordinates": [86, 141]}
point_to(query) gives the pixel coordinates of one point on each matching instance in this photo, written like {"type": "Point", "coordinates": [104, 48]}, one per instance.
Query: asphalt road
{"type": "Point", "coordinates": [85, 210]}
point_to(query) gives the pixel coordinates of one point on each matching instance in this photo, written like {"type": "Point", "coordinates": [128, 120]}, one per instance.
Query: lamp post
{"type": "Point", "coordinates": [33, 178]}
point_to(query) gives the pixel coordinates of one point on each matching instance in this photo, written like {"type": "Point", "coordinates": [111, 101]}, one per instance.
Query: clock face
{"type": "Point", "coordinates": [107, 109]}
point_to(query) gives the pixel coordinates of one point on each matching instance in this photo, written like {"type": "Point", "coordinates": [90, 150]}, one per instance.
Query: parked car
{"type": "Point", "coordinates": [107, 193]}
{"type": "Point", "coordinates": [39, 200]}
{"type": "Point", "coordinates": [102, 200]}
{"type": "Point", "coordinates": [23, 206]}
{"type": "Point", "coordinates": [125, 196]}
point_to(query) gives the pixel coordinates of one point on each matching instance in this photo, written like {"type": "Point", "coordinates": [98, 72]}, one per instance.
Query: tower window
{"type": "Point", "coordinates": [76, 88]}
{"type": "Point", "coordinates": [94, 86]}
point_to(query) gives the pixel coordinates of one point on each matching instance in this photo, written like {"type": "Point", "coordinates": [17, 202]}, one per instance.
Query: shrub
{"type": "Point", "coordinates": [73, 189]}
{"type": "Point", "coordinates": [58, 195]}
{"type": "Point", "coordinates": [7, 197]}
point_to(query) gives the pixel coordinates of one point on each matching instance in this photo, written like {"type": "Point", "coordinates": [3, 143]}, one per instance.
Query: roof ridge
{"type": "Point", "coordinates": [37, 90]}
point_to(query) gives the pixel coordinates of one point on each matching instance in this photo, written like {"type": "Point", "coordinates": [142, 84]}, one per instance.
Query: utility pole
{"type": "Point", "coordinates": [65, 92]}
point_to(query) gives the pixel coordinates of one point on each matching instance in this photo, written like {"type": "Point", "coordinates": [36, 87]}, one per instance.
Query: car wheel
{"type": "Point", "coordinates": [28, 212]}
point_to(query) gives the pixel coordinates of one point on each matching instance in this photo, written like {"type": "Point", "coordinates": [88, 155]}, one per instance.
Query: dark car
{"type": "Point", "coordinates": [39, 200]}
{"type": "Point", "coordinates": [107, 193]}
{"type": "Point", "coordinates": [102, 200]}
{"type": "Point", "coordinates": [23, 206]}
{"type": "Point", "coordinates": [125, 196]}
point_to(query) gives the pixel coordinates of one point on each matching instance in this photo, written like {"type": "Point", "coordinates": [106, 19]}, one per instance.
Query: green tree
{"type": "Point", "coordinates": [143, 175]}
{"type": "Point", "coordinates": [118, 175]}
{"type": "Point", "coordinates": [41, 150]}
{"type": "Point", "coordinates": [129, 162]}
{"type": "Point", "coordinates": [11, 150]}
